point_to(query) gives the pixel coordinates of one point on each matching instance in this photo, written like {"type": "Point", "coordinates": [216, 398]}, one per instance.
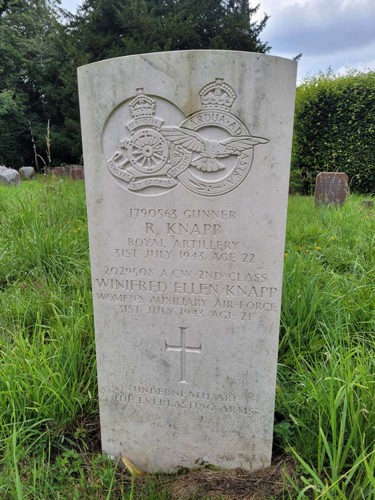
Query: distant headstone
{"type": "Point", "coordinates": [27, 173]}
{"type": "Point", "coordinates": [77, 173]}
{"type": "Point", "coordinates": [187, 160]}
{"type": "Point", "coordinates": [331, 188]}
{"type": "Point", "coordinates": [60, 171]}
{"type": "Point", "coordinates": [9, 176]}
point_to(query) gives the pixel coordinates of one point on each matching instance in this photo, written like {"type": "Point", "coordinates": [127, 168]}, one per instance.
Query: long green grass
{"type": "Point", "coordinates": [326, 382]}
{"type": "Point", "coordinates": [325, 418]}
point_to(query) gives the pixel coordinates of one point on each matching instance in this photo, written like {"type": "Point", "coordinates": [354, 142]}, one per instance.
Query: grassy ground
{"type": "Point", "coordinates": [49, 443]}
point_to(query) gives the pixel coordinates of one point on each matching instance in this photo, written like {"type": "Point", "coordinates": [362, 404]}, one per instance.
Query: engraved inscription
{"type": "Point", "coordinates": [185, 400]}
{"type": "Point", "coordinates": [160, 157]}
{"type": "Point", "coordinates": [221, 296]}
{"type": "Point", "coordinates": [194, 238]}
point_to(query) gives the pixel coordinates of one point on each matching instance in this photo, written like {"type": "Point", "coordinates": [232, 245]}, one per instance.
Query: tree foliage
{"type": "Point", "coordinates": [30, 37]}
{"type": "Point", "coordinates": [335, 130]}
{"type": "Point", "coordinates": [42, 46]}
{"type": "Point", "coordinates": [110, 28]}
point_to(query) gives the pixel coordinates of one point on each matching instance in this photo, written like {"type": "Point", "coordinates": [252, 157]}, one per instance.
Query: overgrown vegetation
{"type": "Point", "coordinates": [49, 444]}
{"type": "Point", "coordinates": [326, 363]}
{"type": "Point", "coordinates": [334, 130]}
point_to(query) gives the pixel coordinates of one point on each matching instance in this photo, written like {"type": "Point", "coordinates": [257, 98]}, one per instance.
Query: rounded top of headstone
{"type": "Point", "coordinates": [333, 174]}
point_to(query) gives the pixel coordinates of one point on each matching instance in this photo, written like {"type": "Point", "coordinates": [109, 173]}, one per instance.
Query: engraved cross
{"type": "Point", "coordinates": [183, 349]}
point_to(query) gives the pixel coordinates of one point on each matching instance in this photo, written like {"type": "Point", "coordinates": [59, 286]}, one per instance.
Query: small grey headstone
{"type": "Point", "coordinates": [9, 176]}
{"type": "Point", "coordinates": [331, 188]}
{"type": "Point", "coordinates": [27, 173]}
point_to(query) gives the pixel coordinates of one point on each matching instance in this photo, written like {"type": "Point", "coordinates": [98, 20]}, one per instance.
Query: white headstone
{"type": "Point", "coordinates": [187, 166]}
{"type": "Point", "coordinates": [27, 173]}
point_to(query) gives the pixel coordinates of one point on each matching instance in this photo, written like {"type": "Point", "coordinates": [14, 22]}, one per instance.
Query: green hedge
{"type": "Point", "coordinates": [334, 130]}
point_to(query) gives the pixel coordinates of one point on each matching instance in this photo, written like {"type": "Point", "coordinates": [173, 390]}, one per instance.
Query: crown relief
{"type": "Point", "coordinates": [217, 95]}
{"type": "Point", "coordinates": [142, 105]}
{"type": "Point", "coordinates": [214, 95]}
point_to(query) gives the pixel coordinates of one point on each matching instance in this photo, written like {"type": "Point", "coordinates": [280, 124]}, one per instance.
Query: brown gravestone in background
{"type": "Point", "coordinates": [60, 171]}
{"type": "Point", "coordinates": [331, 188]}
{"type": "Point", "coordinates": [77, 174]}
